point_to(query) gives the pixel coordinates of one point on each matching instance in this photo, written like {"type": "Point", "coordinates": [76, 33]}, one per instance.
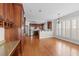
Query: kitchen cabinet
{"type": "Point", "coordinates": [1, 10]}
{"type": "Point", "coordinates": [12, 16]}
{"type": "Point", "coordinates": [9, 13]}
{"type": "Point", "coordinates": [18, 15]}
{"type": "Point", "coordinates": [9, 21]}
{"type": "Point", "coordinates": [13, 20]}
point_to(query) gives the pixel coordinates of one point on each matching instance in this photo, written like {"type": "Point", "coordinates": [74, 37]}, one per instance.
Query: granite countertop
{"type": "Point", "coordinates": [7, 48]}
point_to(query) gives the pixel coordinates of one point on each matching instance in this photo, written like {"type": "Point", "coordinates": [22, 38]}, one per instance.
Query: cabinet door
{"type": "Point", "coordinates": [18, 15]}
{"type": "Point", "coordinates": [11, 12]}
{"type": "Point", "coordinates": [1, 10]}
{"type": "Point", "coordinates": [8, 11]}
{"type": "Point", "coordinates": [9, 17]}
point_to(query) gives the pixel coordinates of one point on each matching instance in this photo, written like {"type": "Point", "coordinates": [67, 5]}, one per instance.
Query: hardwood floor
{"type": "Point", "coordinates": [49, 47]}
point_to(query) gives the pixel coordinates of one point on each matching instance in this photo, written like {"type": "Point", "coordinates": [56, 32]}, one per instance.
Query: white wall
{"type": "Point", "coordinates": [2, 34]}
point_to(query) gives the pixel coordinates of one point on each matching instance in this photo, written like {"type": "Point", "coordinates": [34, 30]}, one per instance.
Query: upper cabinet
{"type": "Point", "coordinates": [18, 16]}
{"type": "Point", "coordinates": [1, 11]}
{"type": "Point", "coordinates": [11, 19]}
{"type": "Point", "coordinates": [11, 13]}
{"type": "Point", "coordinates": [9, 16]}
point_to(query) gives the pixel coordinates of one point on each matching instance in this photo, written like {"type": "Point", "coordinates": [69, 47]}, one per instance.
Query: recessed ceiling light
{"type": "Point", "coordinates": [40, 10]}
{"type": "Point", "coordinates": [30, 10]}
{"type": "Point", "coordinates": [58, 14]}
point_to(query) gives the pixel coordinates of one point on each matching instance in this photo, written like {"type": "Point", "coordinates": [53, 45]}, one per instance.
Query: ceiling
{"type": "Point", "coordinates": [41, 12]}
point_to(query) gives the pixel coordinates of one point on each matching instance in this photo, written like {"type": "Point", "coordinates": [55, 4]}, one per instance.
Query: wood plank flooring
{"type": "Point", "coordinates": [49, 47]}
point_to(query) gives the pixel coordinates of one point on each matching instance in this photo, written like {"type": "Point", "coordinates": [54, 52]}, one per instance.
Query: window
{"type": "Point", "coordinates": [57, 30]}
{"type": "Point", "coordinates": [73, 28]}
{"type": "Point", "coordinates": [77, 28]}
{"type": "Point", "coordinates": [67, 33]}
{"type": "Point", "coordinates": [68, 28]}
{"type": "Point", "coordinates": [63, 28]}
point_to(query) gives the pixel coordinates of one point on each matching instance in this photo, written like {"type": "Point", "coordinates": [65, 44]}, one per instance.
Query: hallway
{"type": "Point", "coordinates": [49, 47]}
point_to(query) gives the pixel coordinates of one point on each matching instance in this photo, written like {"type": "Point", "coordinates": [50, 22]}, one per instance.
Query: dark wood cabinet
{"type": "Point", "coordinates": [8, 11]}
{"type": "Point", "coordinates": [1, 10]}
{"type": "Point", "coordinates": [12, 15]}
{"type": "Point", "coordinates": [18, 15]}
{"type": "Point", "coordinates": [11, 12]}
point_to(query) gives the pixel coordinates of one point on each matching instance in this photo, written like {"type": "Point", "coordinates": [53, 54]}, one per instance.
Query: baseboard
{"type": "Point", "coordinates": [69, 40]}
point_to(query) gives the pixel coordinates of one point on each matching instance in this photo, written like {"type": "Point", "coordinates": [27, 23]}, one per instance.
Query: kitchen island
{"type": "Point", "coordinates": [45, 34]}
